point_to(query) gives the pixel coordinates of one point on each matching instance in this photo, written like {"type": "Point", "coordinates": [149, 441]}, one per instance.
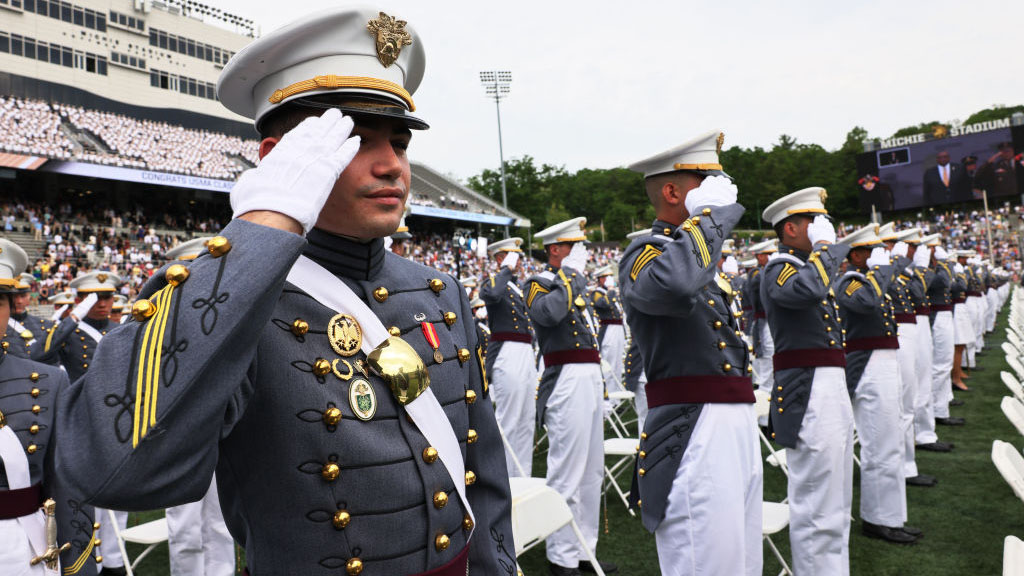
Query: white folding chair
{"type": "Point", "coordinates": [1010, 350]}
{"type": "Point", "coordinates": [774, 519]}
{"type": "Point", "coordinates": [625, 449]}
{"type": "Point", "coordinates": [1014, 411]}
{"type": "Point", "coordinates": [1013, 384]}
{"type": "Point", "coordinates": [511, 452]}
{"type": "Point", "coordinates": [1013, 338]}
{"type": "Point", "coordinates": [1013, 556]}
{"type": "Point", "coordinates": [1018, 368]}
{"type": "Point", "coordinates": [618, 399]}
{"type": "Point", "coordinates": [151, 534]}
{"type": "Point", "coordinates": [1010, 464]}
{"type": "Point", "coordinates": [537, 512]}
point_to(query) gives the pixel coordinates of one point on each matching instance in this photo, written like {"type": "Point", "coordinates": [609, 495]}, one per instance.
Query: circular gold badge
{"type": "Point", "coordinates": [345, 335]}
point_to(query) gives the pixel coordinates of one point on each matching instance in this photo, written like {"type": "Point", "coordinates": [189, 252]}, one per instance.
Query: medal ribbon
{"type": "Point", "coordinates": [430, 333]}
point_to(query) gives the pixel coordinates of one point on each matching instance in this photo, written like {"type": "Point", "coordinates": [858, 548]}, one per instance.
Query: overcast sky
{"type": "Point", "coordinates": [600, 84]}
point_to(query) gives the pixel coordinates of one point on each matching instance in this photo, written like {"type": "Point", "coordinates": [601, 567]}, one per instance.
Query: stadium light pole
{"type": "Point", "coordinates": [497, 84]}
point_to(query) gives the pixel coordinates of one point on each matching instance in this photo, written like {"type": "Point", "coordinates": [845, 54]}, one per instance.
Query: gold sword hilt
{"type": "Point", "coordinates": [52, 554]}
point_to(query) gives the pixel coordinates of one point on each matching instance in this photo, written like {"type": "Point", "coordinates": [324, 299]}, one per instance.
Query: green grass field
{"type": "Point", "coordinates": [965, 518]}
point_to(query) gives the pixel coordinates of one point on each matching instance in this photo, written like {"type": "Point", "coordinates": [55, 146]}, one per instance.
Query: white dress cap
{"type": "Point", "coordinates": [864, 237]}
{"type": "Point", "coordinates": [698, 155]}
{"type": "Point", "coordinates": [807, 201]}
{"type": "Point", "coordinates": [506, 245]}
{"type": "Point", "coordinates": [574, 230]}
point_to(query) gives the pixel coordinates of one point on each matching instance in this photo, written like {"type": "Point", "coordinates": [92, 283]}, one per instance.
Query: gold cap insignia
{"type": "Point", "coordinates": [719, 142]}
{"type": "Point", "coordinates": [101, 278]}
{"type": "Point", "coordinates": [391, 37]}
{"type": "Point", "coordinates": [823, 195]}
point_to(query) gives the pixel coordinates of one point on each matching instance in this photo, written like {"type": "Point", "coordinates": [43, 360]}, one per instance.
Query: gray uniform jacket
{"type": "Point", "coordinates": [69, 345]}
{"type": "Point", "coordinates": [605, 304]}
{"type": "Point", "coordinates": [507, 317]}
{"type": "Point", "coordinates": [29, 394]}
{"type": "Point", "coordinates": [899, 292]}
{"type": "Point", "coordinates": [867, 317]}
{"type": "Point", "coordinates": [235, 371]}
{"type": "Point", "coordinates": [753, 311]}
{"type": "Point", "coordinates": [940, 295]}
{"type": "Point", "coordinates": [692, 347]}
{"type": "Point", "coordinates": [18, 344]}
{"type": "Point", "coordinates": [918, 280]}
{"type": "Point", "coordinates": [566, 333]}
{"type": "Point", "coordinates": [634, 366]}
{"type": "Point", "coordinates": [804, 320]}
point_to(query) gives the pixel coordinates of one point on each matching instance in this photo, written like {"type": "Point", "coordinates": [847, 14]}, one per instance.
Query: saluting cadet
{"type": "Point", "coordinates": [635, 379]}
{"type": "Point", "coordinates": [760, 334]}
{"type": "Point", "coordinates": [941, 303]}
{"type": "Point", "coordinates": [296, 356]}
{"type": "Point", "coordinates": [117, 309]}
{"type": "Point", "coordinates": [811, 413]}
{"type": "Point", "coordinates": [604, 299]}
{"type": "Point", "coordinates": [62, 303]}
{"type": "Point", "coordinates": [963, 331]}
{"type": "Point", "coordinates": [994, 296]}
{"type": "Point", "coordinates": [45, 528]}
{"type": "Point", "coordinates": [977, 304]}
{"type": "Point", "coordinates": [198, 540]}
{"type": "Point", "coordinates": [511, 365]}
{"type": "Point", "coordinates": [872, 376]}
{"type": "Point", "coordinates": [399, 240]}
{"type": "Point", "coordinates": [22, 327]}
{"type": "Point", "coordinates": [571, 391]}
{"type": "Point", "coordinates": [900, 295]}
{"type": "Point", "coordinates": [73, 341]}
{"type": "Point", "coordinates": [698, 473]}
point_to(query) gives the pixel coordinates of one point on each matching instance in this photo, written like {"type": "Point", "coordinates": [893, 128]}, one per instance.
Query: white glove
{"type": "Point", "coordinates": [821, 230]}
{"type": "Point", "coordinates": [940, 253]}
{"type": "Point", "coordinates": [297, 176]}
{"type": "Point", "coordinates": [58, 313]}
{"type": "Point", "coordinates": [730, 266]}
{"type": "Point", "coordinates": [82, 308]}
{"type": "Point", "coordinates": [879, 257]}
{"type": "Point", "coordinates": [922, 257]}
{"type": "Point", "coordinates": [577, 258]}
{"type": "Point", "coordinates": [510, 261]}
{"type": "Point", "coordinates": [713, 191]}
{"type": "Point", "coordinates": [899, 249]}
{"type": "Point", "coordinates": [388, 241]}
{"type": "Point", "coordinates": [958, 268]}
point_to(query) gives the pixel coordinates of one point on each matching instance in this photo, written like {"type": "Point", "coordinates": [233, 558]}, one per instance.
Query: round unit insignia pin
{"type": "Point", "coordinates": [345, 335]}
{"type": "Point", "coordinates": [362, 399]}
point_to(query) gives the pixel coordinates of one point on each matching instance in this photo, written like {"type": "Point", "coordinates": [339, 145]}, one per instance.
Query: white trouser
{"type": "Point", "coordinates": [16, 552]}
{"type": "Point", "coordinates": [712, 519]}
{"type": "Point", "coordinates": [924, 415]}
{"type": "Point", "coordinates": [198, 538]}
{"type": "Point", "coordinates": [764, 370]}
{"type": "Point", "coordinates": [994, 302]}
{"type": "Point", "coordinates": [876, 409]}
{"type": "Point", "coordinates": [820, 486]}
{"type": "Point", "coordinates": [111, 551]}
{"type": "Point", "coordinates": [908, 393]}
{"type": "Point", "coordinates": [641, 400]}
{"type": "Point", "coordinates": [613, 349]}
{"type": "Point", "coordinates": [978, 307]}
{"type": "Point", "coordinates": [962, 330]}
{"type": "Point", "coordinates": [942, 363]}
{"type": "Point", "coordinates": [574, 421]}
{"type": "Point", "coordinates": [513, 389]}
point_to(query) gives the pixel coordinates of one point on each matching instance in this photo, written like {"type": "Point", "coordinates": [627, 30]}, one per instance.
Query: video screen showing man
{"type": "Point", "coordinates": [944, 182]}
{"type": "Point", "coordinates": [970, 164]}
{"type": "Point", "coordinates": [874, 192]}
{"type": "Point", "coordinates": [998, 175]}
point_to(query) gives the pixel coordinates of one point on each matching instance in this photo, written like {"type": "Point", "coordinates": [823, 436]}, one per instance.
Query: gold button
{"type": "Point", "coordinates": [467, 522]}
{"type": "Point", "coordinates": [773, 435]}
{"type": "Point", "coordinates": [470, 396]}
{"type": "Point", "coordinates": [36, 409]}
{"type": "Point", "coordinates": [395, 331]}
{"type": "Point", "coordinates": [99, 559]}
{"type": "Point", "coordinates": [34, 377]}
{"type": "Point", "coordinates": [471, 438]}
{"type": "Point", "coordinates": [888, 333]}
{"type": "Point", "coordinates": [450, 318]}
{"type": "Point", "coordinates": [828, 328]}
{"type": "Point", "coordinates": [176, 274]}
{"type": "Point", "coordinates": [718, 324]}
{"type": "Point", "coordinates": [831, 342]}
{"type": "Point", "coordinates": [780, 410]}
{"type": "Point", "coordinates": [85, 346]}
{"type": "Point", "coordinates": [463, 355]}
{"type": "Point", "coordinates": [706, 211]}
{"type": "Point", "coordinates": [300, 327]}
{"type": "Point", "coordinates": [330, 471]}
{"type": "Point", "coordinates": [779, 399]}
{"type": "Point", "coordinates": [726, 367]}
{"type": "Point", "coordinates": [321, 367]}
{"type": "Point", "coordinates": [430, 454]}
{"type": "Point", "coordinates": [354, 567]}
{"type": "Point", "coordinates": [780, 388]}
{"type": "Point", "coordinates": [470, 477]}
{"type": "Point", "coordinates": [35, 392]}
{"type": "Point", "coordinates": [750, 368]}
{"type": "Point", "coordinates": [826, 316]}
{"type": "Point", "coordinates": [332, 416]}
{"type": "Point", "coordinates": [143, 310]}
{"type": "Point", "coordinates": [750, 348]}
{"type": "Point", "coordinates": [442, 542]}
{"type": "Point", "coordinates": [824, 303]}
{"type": "Point", "coordinates": [641, 472]}
{"type": "Point", "coordinates": [843, 331]}
{"type": "Point", "coordinates": [85, 356]}
{"type": "Point", "coordinates": [97, 542]}
{"type": "Point", "coordinates": [31, 449]}
{"type": "Point", "coordinates": [639, 503]}
{"type": "Point", "coordinates": [440, 500]}
{"type": "Point", "coordinates": [436, 285]}
{"type": "Point", "coordinates": [711, 302]}
{"type": "Point", "coordinates": [643, 435]}
{"type": "Point", "coordinates": [96, 526]}
{"type": "Point", "coordinates": [643, 454]}
{"type": "Point", "coordinates": [341, 519]}
{"type": "Point", "coordinates": [721, 344]}
{"type": "Point", "coordinates": [380, 295]}
{"type": "Point", "coordinates": [695, 219]}
{"type": "Point", "coordinates": [33, 429]}
{"type": "Point", "coordinates": [218, 246]}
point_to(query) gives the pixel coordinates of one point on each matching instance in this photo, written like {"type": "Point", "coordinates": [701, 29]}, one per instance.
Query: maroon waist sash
{"type": "Point", "coordinates": [700, 389]}
{"type": "Point", "coordinates": [942, 307]}
{"type": "Point", "coordinates": [877, 343]}
{"type": "Point", "coordinates": [511, 337]}
{"type": "Point", "coordinates": [906, 318]}
{"type": "Point", "coordinates": [923, 310]}
{"type": "Point", "coordinates": [572, 357]}
{"type": "Point", "coordinates": [809, 358]}
{"type": "Point", "coordinates": [612, 322]}
{"type": "Point", "coordinates": [20, 502]}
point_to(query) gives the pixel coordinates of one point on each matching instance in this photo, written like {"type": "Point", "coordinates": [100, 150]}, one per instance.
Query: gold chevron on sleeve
{"type": "Point", "coordinates": [697, 236]}
{"type": "Point", "coordinates": [649, 253]}
{"type": "Point", "coordinates": [821, 269]}
{"type": "Point", "coordinates": [147, 383]}
{"type": "Point", "coordinates": [535, 289]}
{"type": "Point", "coordinates": [853, 286]}
{"type": "Point", "coordinates": [874, 283]}
{"type": "Point", "coordinates": [788, 271]}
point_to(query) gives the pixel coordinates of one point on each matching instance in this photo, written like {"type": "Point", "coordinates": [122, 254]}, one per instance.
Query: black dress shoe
{"type": "Point", "coordinates": [894, 535]}
{"type": "Point", "coordinates": [556, 570]}
{"type": "Point", "coordinates": [950, 421]}
{"type": "Point", "coordinates": [956, 402]}
{"type": "Point", "coordinates": [607, 567]}
{"type": "Point", "coordinates": [922, 480]}
{"type": "Point", "coordinates": [936, 447]}
{"type": "Point", "coordinates": [915, 532]}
